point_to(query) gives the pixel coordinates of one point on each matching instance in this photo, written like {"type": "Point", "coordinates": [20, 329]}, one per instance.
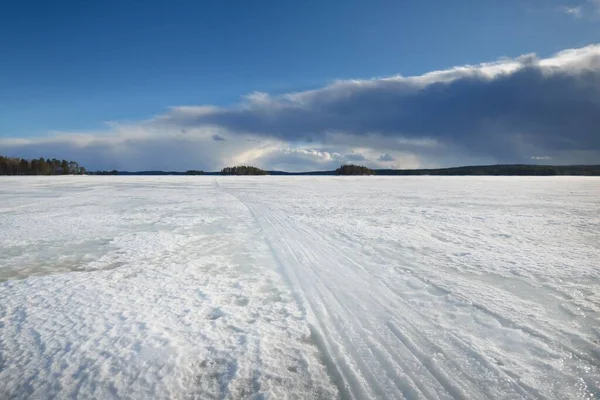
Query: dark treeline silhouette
{"type": "Point", "coordinates": [351, 169]}
{"type": "Point", "coordinates": [509, 170]}
{"type": "Point", "coordinates": [21, 166]}
{"type": "Point", "coordinates": [113, 172]}
{"type": "Point", "coordinates": [41, 166]}
{"type": "Point", "coordinates": [243, 170]}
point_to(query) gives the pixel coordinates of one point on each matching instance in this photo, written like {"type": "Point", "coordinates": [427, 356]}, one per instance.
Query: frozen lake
{"type": "Point", "coordinates": [299, 287]}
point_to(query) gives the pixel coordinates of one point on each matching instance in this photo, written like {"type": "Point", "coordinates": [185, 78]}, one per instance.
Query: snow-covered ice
{"type": "Point", "coordinates": [299, 287]}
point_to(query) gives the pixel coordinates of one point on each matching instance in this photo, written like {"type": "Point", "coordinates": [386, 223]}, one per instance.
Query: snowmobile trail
{"type": "Point", "coordinates": [386, 331]}
{"type": "Point", "coordinates": [300, 287]}
{"type": "Point", "coordinates": [357, 319]}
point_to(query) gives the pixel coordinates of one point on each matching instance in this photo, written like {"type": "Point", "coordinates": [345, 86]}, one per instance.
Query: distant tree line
{"type": "Point", "coordinates": [243, 170]}
{"type": "Point", "coordinates": [351, 169]}
{"type": "Point", "coordinates": [112, 172]}
{"type": "Point", "coordinates": [41, 166]}
{"type": "Point", "coordinates": [509, 170]}
{"type": "Point", "coordinates": [21, 166]}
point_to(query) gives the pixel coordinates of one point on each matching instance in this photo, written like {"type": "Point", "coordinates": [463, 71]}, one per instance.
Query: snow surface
{"type": "Point", "coordinates": [299, 287]}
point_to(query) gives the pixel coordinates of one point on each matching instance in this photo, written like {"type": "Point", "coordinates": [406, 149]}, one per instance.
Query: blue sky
{"type": "Point", "coordinates": [69, 67]}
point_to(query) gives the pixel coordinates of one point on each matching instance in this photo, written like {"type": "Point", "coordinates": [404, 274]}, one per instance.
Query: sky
{"type": "Point", "coordinates": [300, 85]}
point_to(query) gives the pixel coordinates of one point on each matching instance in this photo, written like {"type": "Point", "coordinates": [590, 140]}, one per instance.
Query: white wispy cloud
{"type": "Point", "coordinates": [576, 11]}
{"type": "Point", "coordinates": [589, 9]}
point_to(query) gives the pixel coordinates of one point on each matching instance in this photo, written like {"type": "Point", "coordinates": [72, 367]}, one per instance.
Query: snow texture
{"type": "Point", "coordinates": [299, 287]}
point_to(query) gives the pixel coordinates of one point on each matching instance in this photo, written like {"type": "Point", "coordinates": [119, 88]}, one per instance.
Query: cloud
{"type": "Point", "coordinates": [575, 12]}
{"type": "Point", "coordinates": [141, 146]}
{"type": "Point", "coordinates": [502, 111]}
{"type": "Point", "coordinates": [386, 157]}
{"type": "Point", "coordinates": [589, 9]}
{"type": "Point", "coordinates": [300, 159]}
{"type": "Point", "coordinates": [354, 157]}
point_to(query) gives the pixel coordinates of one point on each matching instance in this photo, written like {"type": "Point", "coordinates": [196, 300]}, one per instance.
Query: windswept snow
{"type": "Point", "coordinates": [300, 287]}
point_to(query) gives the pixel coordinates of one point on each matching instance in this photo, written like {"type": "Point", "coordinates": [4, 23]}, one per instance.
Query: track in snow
{"type": "Point", "coordinates": [306, 287]}
{"type": "Point", "coordinates": [392, 327]}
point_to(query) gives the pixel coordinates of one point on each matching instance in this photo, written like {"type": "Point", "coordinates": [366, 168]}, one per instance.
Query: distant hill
{"type": "Point", "coordinates": [494, 170]}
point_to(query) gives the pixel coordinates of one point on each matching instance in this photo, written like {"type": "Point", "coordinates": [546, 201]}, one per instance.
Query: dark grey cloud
{"type": "Point", "coordinates": [355, 157]}
{"type": "Point", "coordinates": [503, 110]}
{"type": "Point", "coordinates": [523, 110]}
{"type": "Point", "coordinates": [386, 157]}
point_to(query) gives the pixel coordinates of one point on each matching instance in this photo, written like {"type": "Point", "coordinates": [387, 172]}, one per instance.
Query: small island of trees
{"type": "Point", "coordinates": [22, 166]}
{"type": "Point", "coordinates": [243, 170]}
{"type": "Point", "coordinates": [351, 169]}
